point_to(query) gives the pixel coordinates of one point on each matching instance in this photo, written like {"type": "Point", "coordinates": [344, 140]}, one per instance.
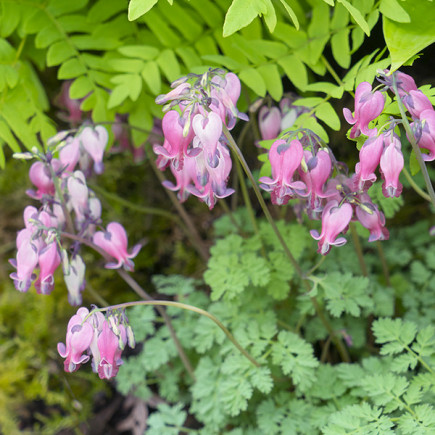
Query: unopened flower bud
{"type": "Point", "coordinates": [130, 337]}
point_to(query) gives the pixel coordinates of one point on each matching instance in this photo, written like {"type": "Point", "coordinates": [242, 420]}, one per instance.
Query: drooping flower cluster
{"type": "Point", "coordinates": [92, 334]}
{"type": "Point", "coordinates": [303, 168]}
{"type": "Point", "coordinates": [68, 208]}
{"type": "Point", "coordinates": [194, 146]}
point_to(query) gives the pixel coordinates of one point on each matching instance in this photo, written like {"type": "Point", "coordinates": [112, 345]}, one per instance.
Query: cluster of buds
{"type": "Point", "coordinates": [69, 208]}
{"type": "Point", "coordinates": [194, 146]}
{"type": "Point", "coordinates": [273, 120]}
{"type": "Point", "coordinates": [92, 334]}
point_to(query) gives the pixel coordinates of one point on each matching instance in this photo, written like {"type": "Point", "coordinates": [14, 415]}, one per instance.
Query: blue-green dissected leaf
{"type": "Point", "coordinates": [295, 357]}
{"type": "Point", "coordinates": [361, 419]}
{"type": "Point", "coordinates": [137, 8]}
{"type": "Point", "coordinates": [234, 265]}
{"type": "Point", "coordinates": [167, 420]}
{"type": "Point", "coordinates": [346, 293]}
{"type": "Point", "coordinates": [241, 13]}
{"type": "Point", "coordinates": [207, 393]}
{"type": "Point", "coordinates": [404, 40]}
{"type": "Point", "coordinates": [394, 334]}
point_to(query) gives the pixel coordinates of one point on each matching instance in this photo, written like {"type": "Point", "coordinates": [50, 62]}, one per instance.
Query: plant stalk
{"type": "Point", "coordinates": [200, 311]}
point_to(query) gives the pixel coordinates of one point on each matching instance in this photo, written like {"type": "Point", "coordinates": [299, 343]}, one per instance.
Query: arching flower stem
{"type": "Point", "coordinates": [200, 311]}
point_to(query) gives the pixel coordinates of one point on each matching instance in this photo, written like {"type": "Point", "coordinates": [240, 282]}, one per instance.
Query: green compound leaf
{"type": "Point", "coordinates": [253, 79]}
{"type": "Point", "coordinates": [168, 420]}
{"type": "Point", "coordinates": [242, 12]}
{"type": "Point", "coordinates": [328, 115]}
{"type": "Point", "coordinates": [291, 13]}
{"type": "Point", "coordinates": [234, 265]}
{"type": "Point", "coordinates": [295, 357]}
{"type": "Point", "coordinates": [394, 11]}
{"type": "Point", "coordinates": [345, 293]}
{"type": "Point", "coordinates": [395, 334]}
{"type": "Point", "coordinates": [137, 8]}
{"type": "Point", "coordinates": [356, 15]}
{"type": "Point", "coordinates": [362, 419]}
{"type": "Point", "coordinates": [405, 39]}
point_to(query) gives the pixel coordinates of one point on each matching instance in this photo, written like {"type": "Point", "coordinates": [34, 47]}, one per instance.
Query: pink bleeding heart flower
{"type": "Point", "coordinates": [78, 339]}
{"type": "Point", "coordinates": [416, 102]}
{"type": "Point", "coordinates": [369, 159]}
{"type": "Point", "coordinates": [40, 176]}
{"type": "Point", "coordinates": [285, 159]}
{"type": "Point", "coordinates": [405, 83]}
{"type": "Point", "coordinates": [110, 351]}
{"type": "Point", "coordinates": [391, 165]}
{"type": "Point", "coordinates": [427, 137]}
{"type": "Point", "coordinates": [49, 260]}
{"type": "Point", "coordinates": [69, 154]}
{"type": "Point", "coordinates": [211, 182]}
{"type": "Point", "coordinates": [25, 263]}
{"type": "Point", "coordinates": [176, 142]}
{"type": "Point", "coordinates": [335, 219]}
{"type": "Point", "coordinates": [208, 130]}
{"type": "Point", "coordinates": [371, 218]}
{"type": "Point", "coordinates": [94, 141]}
{"type": "Point", "coordinates": [368, 106]}
{"type": "Point", "coordinates": [318, 171]}
{"type": "Point", "coordinates": [183, 178]}
{"type": "Point", "coordinates": [114, 242]}
{"type": "Point", "coordinates": [269, 122]}
{"type": "Point", "coordinates": [224, 97]}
